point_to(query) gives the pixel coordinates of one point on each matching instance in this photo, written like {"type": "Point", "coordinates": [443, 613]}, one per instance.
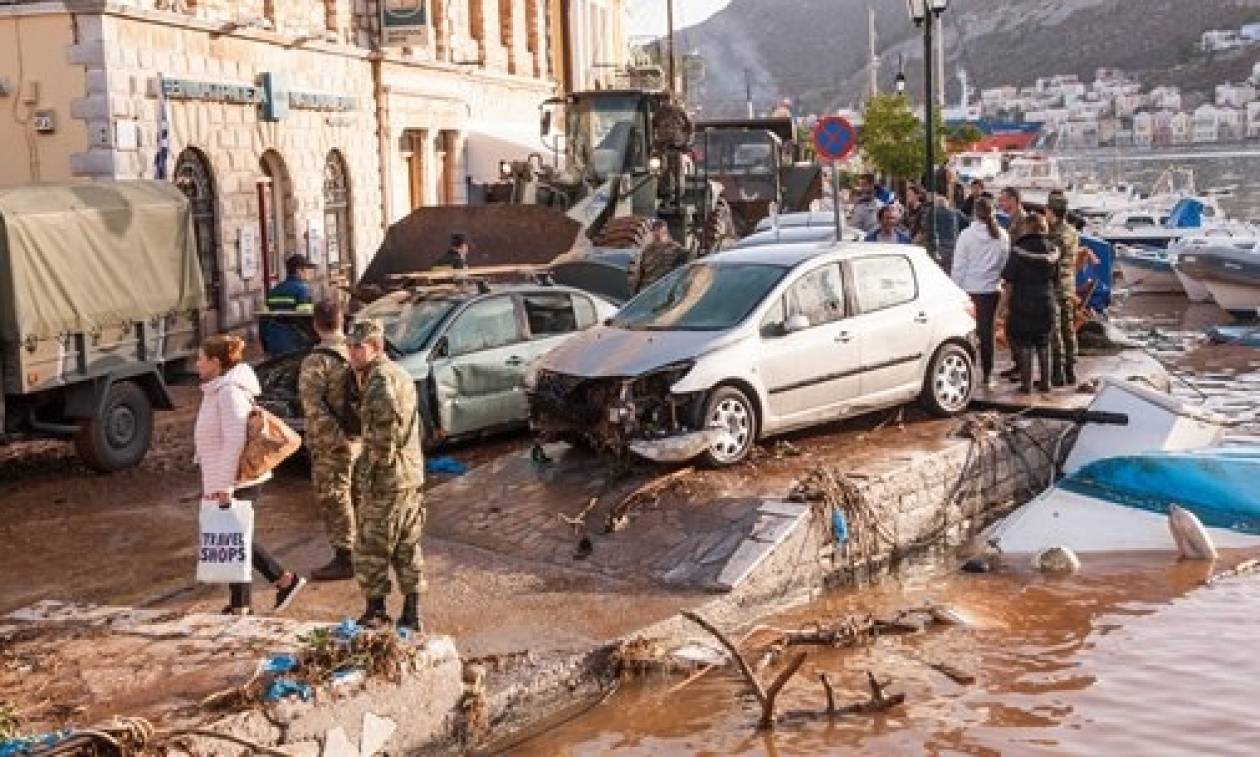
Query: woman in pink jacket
{"type": "Point", "coordinates": [229, 387]}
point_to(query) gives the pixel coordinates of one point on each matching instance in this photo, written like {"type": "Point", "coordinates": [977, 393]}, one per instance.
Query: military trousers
{"type": "Point", "coordinates": [1063, 335]}
{"type": "Point", "coordinates": [390, 524]}
{"type": "Point", "coordinates": [331, 476]}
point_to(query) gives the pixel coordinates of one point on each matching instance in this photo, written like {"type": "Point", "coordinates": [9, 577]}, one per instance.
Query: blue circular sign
{"type": "Point", "coordinates": [834, 138]}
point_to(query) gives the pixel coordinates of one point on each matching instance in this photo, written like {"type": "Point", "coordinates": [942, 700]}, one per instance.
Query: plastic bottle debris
{"type": "Point", "coordinates": [280, 663]}
{"type": "Point", "coordinates": [281, 688]}
{"type": "Point", "coordinates": [839, 528]}
{"type": "Point", "coordinates": [347, 677]}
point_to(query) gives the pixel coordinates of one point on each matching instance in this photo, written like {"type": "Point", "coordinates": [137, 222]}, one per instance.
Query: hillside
{"type": "Point", "coordinates": [815, 51]}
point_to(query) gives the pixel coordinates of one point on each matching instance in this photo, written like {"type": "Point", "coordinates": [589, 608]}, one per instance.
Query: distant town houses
{"type": "Point", "coordinates": [1114, 110]}
{"type": "Point", "coordinates": [1222, 40]}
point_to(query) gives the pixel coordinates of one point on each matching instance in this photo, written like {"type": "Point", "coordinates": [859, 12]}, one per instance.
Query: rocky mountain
{"type": "Point", "coordinates": [815, 51]}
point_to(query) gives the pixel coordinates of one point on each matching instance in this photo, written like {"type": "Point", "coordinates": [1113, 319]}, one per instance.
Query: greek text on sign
{"type": "Point", "coordinates": [403, 22]}
{"type": "Point", "coordinates": [834, 138]}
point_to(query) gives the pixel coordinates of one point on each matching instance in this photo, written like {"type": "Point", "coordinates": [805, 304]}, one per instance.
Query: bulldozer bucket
{"type": "Point", "coordinates": [499, 235]}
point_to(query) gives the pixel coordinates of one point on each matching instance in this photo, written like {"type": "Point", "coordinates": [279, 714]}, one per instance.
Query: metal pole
{"type": "Point", "coordinates": [669, 13]}
{"type": "Point", "coordinates": [748, 92]}
{"type": "Point", "coordinates": [929, 112]}
{"type": "Point", "coordinates": [835, 200]}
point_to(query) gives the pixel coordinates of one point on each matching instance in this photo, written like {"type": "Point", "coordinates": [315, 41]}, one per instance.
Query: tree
{"type": "Point", "coordinates": [892, 137]}
{"type": "Point", "coordinates": [966, 135]}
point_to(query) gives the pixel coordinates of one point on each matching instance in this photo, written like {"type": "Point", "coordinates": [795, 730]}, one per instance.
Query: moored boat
{"type": "Point", "coordinates": [1147, 270]}
{"type": "Point", "coordinates": [1123, 482]}
{"type": "Point", "coordinates": [1231, 276]}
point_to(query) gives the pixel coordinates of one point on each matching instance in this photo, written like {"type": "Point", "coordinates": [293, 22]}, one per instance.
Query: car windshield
{"type": "Point", "coordinates": [700, 297]}
{"type": "Point", "coordinates": [408, 320]}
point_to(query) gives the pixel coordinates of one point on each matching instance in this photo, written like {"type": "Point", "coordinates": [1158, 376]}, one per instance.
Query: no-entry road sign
{"type": "Point", "coordinates": [834, 138]}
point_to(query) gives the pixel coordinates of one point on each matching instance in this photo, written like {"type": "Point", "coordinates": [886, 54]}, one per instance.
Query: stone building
{"type": "Point", "coordinates": [296, 126]}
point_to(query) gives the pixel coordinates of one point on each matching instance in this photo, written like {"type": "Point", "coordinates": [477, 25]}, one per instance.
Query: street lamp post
{"type": "Point", "coordinates": [924, 13]}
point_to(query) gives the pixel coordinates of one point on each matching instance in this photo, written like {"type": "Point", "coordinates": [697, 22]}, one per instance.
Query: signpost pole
{"type": "Point", "coordinates": [835, 199]}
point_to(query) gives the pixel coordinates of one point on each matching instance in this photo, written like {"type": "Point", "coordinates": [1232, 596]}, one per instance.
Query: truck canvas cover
{"type": "Point", "coordinates": [76, 257]}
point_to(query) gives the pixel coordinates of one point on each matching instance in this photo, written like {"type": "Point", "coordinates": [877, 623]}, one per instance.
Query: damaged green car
{"type": "Point", "coordinates": [467, 347]}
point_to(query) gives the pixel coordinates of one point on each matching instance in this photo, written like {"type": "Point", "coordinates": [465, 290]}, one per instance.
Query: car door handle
{"type": "Point", "coordinates": [514, 361]}
{"type": "Point", "coordinates": [921, 318]}
{"type": "Point", "coordinates": [844, 337]}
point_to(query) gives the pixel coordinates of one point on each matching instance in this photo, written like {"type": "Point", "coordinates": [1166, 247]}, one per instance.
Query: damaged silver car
{"type": "Point", "coordinates": [467, 347]}
{"type": "Point", "coordinates": [751, 343]}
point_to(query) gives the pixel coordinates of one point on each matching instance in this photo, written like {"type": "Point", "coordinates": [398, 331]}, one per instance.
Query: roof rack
{"type": "Point", "coordinates": [480, 276]}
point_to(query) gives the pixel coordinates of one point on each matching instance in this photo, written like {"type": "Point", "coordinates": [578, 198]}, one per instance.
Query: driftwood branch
{"type": "Point", "coordinates": [772, 693]}
{"type": "Point", "coordinates": [957, 675]}
{"type": "Point", "coordinates": [765, 697]}
{"type": "Point", "coordinates": [829, 691]}
{"type": "Point", "coordinates": [578, 522]}
{"type": "Point", "coordinates": [621, 511]}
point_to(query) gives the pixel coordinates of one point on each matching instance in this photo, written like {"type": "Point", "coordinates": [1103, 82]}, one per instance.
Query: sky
{"type": "Point", "coordinates": [647, 17]}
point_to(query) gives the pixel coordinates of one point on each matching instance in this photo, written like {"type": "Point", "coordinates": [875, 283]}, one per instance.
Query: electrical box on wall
{"type": "Point", "coordinates": [44, 121]}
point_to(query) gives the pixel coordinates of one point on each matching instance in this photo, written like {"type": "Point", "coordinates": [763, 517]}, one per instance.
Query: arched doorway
{"type": "Point", "coordinates": [195, 179]}
{"type": "Point", "coordinates": [338, 239]}
{"type": "Point", "coordinates": [277, 232]}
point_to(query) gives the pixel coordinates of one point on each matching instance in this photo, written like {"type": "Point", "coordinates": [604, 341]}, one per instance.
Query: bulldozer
{"type": "Point", "coordinates": [758, 162]}
{"type": "Point", "coordinates": [620, 158]}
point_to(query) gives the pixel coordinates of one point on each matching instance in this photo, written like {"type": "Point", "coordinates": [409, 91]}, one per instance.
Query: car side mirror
{"type": "Point", "coordinates": [796, 323]}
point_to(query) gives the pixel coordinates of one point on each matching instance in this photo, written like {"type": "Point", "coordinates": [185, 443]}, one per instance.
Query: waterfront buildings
{"type": "Point", "coordinates": [299, 126]}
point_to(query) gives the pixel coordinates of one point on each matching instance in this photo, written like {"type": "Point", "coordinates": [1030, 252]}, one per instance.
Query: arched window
{"type": "Point", "coordinates": [277, 231]}
{"type": "Point", "coordinates": [195, 180]}
{"type": "Point", "coordinates": [337, 231]}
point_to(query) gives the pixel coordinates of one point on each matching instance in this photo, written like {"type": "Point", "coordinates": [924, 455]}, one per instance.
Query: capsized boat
{"type": "Point", "coordinates": [1123, 481]}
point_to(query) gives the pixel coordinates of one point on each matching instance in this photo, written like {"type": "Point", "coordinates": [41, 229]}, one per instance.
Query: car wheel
{"type": "Point", "coordinates": [950, 381]}
{"type": "Point", "coordinates": [729, 408]}
{"type": "Point", "coordinates": [119, 436]}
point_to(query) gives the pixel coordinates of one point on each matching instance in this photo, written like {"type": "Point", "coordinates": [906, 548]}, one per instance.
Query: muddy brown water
{"type": "Point", "coordinates": [1132, 656]}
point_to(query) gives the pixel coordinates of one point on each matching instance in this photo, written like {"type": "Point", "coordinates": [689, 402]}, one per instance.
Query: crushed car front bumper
{"type": "Point", "coordinates": [617, 415]}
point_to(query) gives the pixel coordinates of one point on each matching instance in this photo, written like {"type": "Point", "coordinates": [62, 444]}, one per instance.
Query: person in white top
{"type": "Point", "coordinates": [229, 387]}
{"type": "Point", "coordinates": [979, 257]}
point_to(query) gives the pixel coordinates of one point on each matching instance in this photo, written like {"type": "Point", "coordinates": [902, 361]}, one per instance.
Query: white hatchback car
{"type": "Point", "coordinates": [751, 343]}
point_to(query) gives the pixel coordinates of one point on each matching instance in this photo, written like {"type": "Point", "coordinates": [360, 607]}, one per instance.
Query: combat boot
{"type": "Point", "coordinates": [1057, 377]}
{"type": "Point", "coordinates": [410, 618]}
{"type": "Point", "coordinates": [375, 616]}
{"type": "Point", "coordinates": [1023, 358]}
{"type": "Point", "coordinates": [340, 568]}
{"type": "Point", "coordinates": [1043, 366]}
{"type": "Point", "coordinates": [1069, 373]}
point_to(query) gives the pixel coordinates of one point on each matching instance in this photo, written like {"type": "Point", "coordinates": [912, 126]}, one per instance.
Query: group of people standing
{"type": "Point", "coordinates": [363, 435]}
{"type": "Point", "coordinates": [1023, 275]}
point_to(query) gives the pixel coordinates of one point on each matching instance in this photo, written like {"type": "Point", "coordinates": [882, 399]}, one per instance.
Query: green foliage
{"type": "Point", "coordinates": [966, 134]}
{"type": "Point", "coordinates": [892, 137]}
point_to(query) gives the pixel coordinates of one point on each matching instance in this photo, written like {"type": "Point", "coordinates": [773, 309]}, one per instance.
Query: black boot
{"type": "Point", "coordinates": [1024, 362]}
{"type": "Point", "coordinates": [410, 618]}
{"type": "Point", "coordinates": [1043, 368]}
{"type": "Point", "coordinates": [340, 568]}
{"type": "Point", "coordinates": [375, 616]}
{"type": "Point", "coordinates": [1056, 374]}
{"type": "Point", "coordinates": [1069, 373]}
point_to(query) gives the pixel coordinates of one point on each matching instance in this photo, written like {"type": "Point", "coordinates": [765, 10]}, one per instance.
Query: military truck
{"type": "Point", "coordinates": [100, 292]}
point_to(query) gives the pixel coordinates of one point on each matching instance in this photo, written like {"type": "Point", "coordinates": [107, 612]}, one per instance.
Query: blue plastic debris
{"type": "Point", "coordinates": [346, 630]}
{"type": "Point", "coordinates": [286, 687]}
{"type": "Point", "coordinates": [280, 663]}
{"type": "Point", "coordinates": [839, 528]}
{"type": "Point", "coordinates": [445, 465]}
{"type": "Point", "coordinates": [28, 744]}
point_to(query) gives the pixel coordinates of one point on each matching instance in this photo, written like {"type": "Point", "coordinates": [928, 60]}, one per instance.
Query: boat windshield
{"type": "Point", "coordinates": [700, 297]}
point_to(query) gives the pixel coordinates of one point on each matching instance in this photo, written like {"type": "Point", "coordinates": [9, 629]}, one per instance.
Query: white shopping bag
{"type": "Point", "coordinates": [224, 553]}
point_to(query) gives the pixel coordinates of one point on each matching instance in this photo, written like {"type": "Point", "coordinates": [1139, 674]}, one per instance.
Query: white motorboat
{"type": "Point", "coordinates": [1231, 276]}
{"type": "Point", "coordinates": [1147, 270]}
{"type": "Point", "coordinates": [1033, 175]}
{"type": "Point", "coordinates": [1247, 240]}
{"type": "Point", "coordinates": [1124, 483]}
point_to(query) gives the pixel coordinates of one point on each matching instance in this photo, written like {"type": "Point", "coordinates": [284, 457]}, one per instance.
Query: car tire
{"type": "Point", "coordinates": [729, 406]}
{"type": "Point", "coordinates": [118, 437]}
{"type": "Point", "coordinates": [950, 381]}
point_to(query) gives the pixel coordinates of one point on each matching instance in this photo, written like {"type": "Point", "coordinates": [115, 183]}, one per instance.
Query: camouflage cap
{"type": "Point", "coordinates": [361, 331]}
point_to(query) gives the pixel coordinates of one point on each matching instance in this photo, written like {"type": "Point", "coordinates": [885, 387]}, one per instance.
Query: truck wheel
{"type": "Point", "coordinates": [119, 437]}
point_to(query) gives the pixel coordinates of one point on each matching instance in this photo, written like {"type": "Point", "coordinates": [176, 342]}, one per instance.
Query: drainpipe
{"type": "Point", "coordinates": [383, 146]}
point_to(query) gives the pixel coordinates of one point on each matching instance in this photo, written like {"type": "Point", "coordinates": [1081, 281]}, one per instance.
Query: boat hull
{"type": "Point", "coordinates": [1196, 291]}
{"type": "Point", "coordinates": [1240, 300]}
{"type": "Point", "coordinates": [1149, 276]}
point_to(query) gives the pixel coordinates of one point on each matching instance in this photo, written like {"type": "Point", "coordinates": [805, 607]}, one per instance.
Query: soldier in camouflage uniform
{"type": "Point", "coordinates": [658, 258]}
{"type": "Point", "coordinates": [330, 407]}
{"type": "Point", "coordinates": [1063, 337]}
{"type": "Point", "coordinates": [387, 480]}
